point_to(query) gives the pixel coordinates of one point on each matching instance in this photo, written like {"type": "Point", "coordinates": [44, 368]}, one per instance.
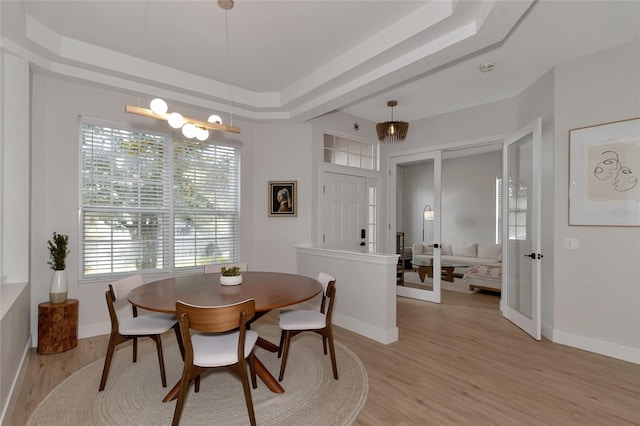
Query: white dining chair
{"type": "Point", "coordinates": [127, 325]}
{"type": "Point", "coordinates": [220, 339]}
{"type": "Point", "coordinates": [296, 321]}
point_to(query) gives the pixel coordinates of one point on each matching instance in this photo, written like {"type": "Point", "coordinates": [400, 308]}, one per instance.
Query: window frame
{"type": "Point", "coordinates": [375, 150]}
{"type": "Point", "coordinates": [169, 208]}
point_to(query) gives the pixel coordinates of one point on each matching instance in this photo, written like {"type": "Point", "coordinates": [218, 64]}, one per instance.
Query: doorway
{"type": "Point", "coordinates": [465, 209]}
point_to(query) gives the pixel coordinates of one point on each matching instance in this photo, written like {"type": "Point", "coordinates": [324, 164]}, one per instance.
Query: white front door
{"type": "Point", "coordinates": [521, 228]}
{"type": "Point", "coordinates": [344, 212]}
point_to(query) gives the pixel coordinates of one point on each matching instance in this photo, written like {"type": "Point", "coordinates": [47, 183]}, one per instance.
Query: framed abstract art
{"type": "Point", "coordinates": [604, 168]}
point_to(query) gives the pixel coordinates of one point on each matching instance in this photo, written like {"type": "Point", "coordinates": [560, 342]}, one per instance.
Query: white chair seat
{"type": "Point", "coordinates": [219, 350]}
{"type": "Point", "coordinates": [147, 324]}
{"type": "Point", "coordinates": [302, 320]}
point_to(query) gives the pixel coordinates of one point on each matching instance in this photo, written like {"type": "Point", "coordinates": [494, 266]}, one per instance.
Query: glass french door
{"type": "Point", "coordinates": [521, 228]}
{"type": "Point", "coordinates": [430, 163]}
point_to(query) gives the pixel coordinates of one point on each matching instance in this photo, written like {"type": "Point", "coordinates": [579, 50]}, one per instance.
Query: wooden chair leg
{"type": "Point", "coordinates": [251, 359]}
{"type": "Point", "coordinates": [176, 328]}
{"type": "Point", "coordinates": [332, 350]}
{"type": "Point", "coordinates": [281, 344]}
{"type": "Point", "coordinates": [197, 385]}
{"type": "Point", "coordinates": [135, 349]}
{"type": "Point", "coordinates": [324, 343]}
{"type": "Point", "coordinates": [285, 353]}
{"type": "Point", "coordinates": [247, 392]}
{"type": "Point", "coordinates": [158, 341]}
{"type": "Point", "coordinates": [107, 363]}
{"type": "Point", "coordinates": [182, 395]}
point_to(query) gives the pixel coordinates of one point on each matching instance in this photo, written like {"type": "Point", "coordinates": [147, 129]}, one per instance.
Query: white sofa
{"type": "Point", "coordinates": [463, 253]}
{"type": "Point", "coordinates": [467, 254]}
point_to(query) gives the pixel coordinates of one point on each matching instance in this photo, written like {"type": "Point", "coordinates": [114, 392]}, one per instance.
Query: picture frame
{"type": "Point", "coordinates": [283, 198]}
{"type": "Point", "coordinates": [604, 174]}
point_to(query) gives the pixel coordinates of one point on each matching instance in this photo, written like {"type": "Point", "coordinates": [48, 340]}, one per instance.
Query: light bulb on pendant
{"type": "Point", "coordinates": [159, 106]}
{"type": "Point", "coordinates": [215, 119]}
{"type": "Point", "coordinates": [175, 120]}
{"type": "Point", "coordinates": [189, 130]}
{"type": "Point", "coordinates": [202, 134]}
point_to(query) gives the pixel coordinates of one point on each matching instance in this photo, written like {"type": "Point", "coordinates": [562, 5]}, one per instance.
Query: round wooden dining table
{"type": "Point", "coordinates": [270, 290]}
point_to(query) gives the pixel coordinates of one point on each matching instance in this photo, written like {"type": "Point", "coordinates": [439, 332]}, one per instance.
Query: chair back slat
{"type": "Point", "coordinates": [122, 287]}
{"type": "Point", "coordinates": [119, 290]}
{"type": "Point", "coordinates": [216, 267]}
{"type": "Point", "coordinates": [331, 296]}
{"type": "Point", "coordinates": [216, 319]}
{"type": "Point", "coordinates": [325, 279]}
{"type": "Point", "coordinates": [328, 290]}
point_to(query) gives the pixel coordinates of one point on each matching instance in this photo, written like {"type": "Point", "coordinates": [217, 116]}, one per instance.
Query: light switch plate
{"type": "Point", "coordinates": [572, 243]}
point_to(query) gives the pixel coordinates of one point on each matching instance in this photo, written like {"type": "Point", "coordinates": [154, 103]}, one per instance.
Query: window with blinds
{"type": "Point", "coordinates": [153, 203]}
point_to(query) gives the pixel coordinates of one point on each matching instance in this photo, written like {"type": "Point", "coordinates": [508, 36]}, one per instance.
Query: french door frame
{"type": "Point", "coordinates": [435, 156]}
{"type": "Point", "coordinates": [518, 288]}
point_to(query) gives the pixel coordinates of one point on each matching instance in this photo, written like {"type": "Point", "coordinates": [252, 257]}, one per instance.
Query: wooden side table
{"type": "Point", "coordinates": [57, 326]}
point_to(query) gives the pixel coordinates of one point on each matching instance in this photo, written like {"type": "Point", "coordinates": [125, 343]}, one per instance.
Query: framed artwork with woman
{"type": "Point", "coordinates": [283, 196]}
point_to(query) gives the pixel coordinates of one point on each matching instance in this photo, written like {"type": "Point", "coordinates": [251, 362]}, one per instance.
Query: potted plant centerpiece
{"type": "Point", "coordinates": [230, 275]}
{"type": "Point", "coordinates": [58, 252]}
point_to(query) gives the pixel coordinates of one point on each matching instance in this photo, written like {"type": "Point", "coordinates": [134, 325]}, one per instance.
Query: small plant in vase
{"type": "Point", "coordinates": [230, 275]}
{"type": "Point", "coordinates": [58, 251]}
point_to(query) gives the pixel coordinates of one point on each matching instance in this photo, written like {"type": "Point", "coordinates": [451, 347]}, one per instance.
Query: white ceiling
{"type": "Point", "coordinates": [300, 59]}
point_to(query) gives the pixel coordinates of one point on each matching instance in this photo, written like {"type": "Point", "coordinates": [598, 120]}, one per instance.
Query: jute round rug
{"type": "Point", "coordinates": [133, 395]}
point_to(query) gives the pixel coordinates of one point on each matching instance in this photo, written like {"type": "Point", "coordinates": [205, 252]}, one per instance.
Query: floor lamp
{"type": "Point", "coordinates": [427, 214]}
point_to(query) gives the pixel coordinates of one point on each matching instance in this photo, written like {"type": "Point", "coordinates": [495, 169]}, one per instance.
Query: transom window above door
{"type": "Point", "coordinates": [351, 153]}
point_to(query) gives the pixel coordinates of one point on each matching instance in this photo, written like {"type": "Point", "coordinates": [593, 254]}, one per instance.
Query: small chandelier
{"type": "Point", "coordinates": [392, 131]}
{"type": "Point", "coordinates": [191, 127]}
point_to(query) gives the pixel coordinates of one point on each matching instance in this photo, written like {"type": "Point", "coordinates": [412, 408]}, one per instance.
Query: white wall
{"type": "Point", "coordinates": [280, 152]}
{"type": "Point", "coordinates": [597, 290]}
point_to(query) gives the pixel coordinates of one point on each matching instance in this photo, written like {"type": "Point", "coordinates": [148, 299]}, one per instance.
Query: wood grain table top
{"type": "Point", "coordinates": [270, 290]}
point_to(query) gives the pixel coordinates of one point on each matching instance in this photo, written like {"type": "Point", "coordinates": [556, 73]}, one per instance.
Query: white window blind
{"type": "Point", "coordinates": [150, 202]}
{"type": "Point", "coordinates": [205, 187]}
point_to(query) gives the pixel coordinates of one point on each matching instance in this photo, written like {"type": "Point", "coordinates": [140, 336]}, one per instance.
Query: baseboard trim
{"type": "Point", "coordinates": [375, 333]}
{"type": "Point", "coordinates": [613, 350]}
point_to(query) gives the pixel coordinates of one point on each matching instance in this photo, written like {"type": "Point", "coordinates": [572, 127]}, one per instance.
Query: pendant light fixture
{"type": "Point", "coordinates": [191, 127]}
{"type": "Point", "coordinates": [392, 131]}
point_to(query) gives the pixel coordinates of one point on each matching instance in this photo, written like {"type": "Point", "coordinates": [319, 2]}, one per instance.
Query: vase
{"type": "Point", "coordinates": [58, 288]}
{"type": "Point", "coordinates": [231, 280]}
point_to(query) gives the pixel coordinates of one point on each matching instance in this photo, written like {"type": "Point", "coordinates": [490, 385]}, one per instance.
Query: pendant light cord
{"type": "Point", "coordinates": [144, 34]}
{"type": "Point", "coordinates": [226, 36]}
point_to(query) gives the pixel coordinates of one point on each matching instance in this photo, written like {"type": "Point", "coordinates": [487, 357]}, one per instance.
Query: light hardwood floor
{"type": "Point", "coordinates": [457, 363]}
